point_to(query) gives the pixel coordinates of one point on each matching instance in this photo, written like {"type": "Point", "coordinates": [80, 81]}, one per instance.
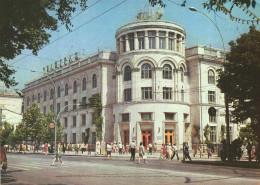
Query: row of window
{"type": "Point", "coordinates": [146, 72]}
{"type": "Point", "coordinates": [147, 94]}
{"type": "Point", "coordinates": [174, 43]}
{"type": "Point", "coordinates": [66, 92]}
{"type": "Point", "coordinates": [213, 133]}
{"type": "Point", "coordinates": [169, 116]}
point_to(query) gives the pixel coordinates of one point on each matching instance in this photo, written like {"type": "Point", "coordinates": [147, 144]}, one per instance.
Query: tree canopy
{"type": "Point", "coordinates": [26, 24]}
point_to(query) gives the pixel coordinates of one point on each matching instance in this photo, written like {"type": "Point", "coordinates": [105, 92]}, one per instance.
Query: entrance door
{"type": "Point", "coordinates": [126, 137]}
{"type": "Point", "coordinates": [168, 136]}
{"type": "Point", "coordinates": [146, 137]}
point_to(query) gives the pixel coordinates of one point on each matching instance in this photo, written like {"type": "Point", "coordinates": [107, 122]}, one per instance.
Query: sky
{"type": "Point", "coordinates": [95, 28]}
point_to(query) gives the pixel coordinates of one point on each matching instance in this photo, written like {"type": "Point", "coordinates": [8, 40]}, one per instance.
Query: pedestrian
{"type": "Point", "coordinates": [249, 150]}
{"type": "Point", "coordinates": [169, 151]}
{"type": "Point", "coordinates": [109, 149]}
{"type": "Point", "coordinates": [46, 148]}
{"type": "Point", "coordinates": [64, 147]}
{"type": "Point", "coordinates": [155, 148]}
{"type": "Point", "coordinates": [175, 151]}
{"type": "Point", "coordinates": [28, 148]}
{"type": "Point", "coordinates": [24, 148]}
{"type": "Point", "coordinates": [253, 153]}
{"type": "Point", "coordinates": [164, 151]}
{"type": "Point", "coordinates": [89, 148]}
{"type": "Point", "coordinates": [123, 149]}
{"type": "Point", "coordinates": [150, 148]}
{"type": "Point", "coordinates": [209, 153]}
{"type": "Point", "coordinates": [195, 151]}
{"type": "Point", "coordinates": [3, 158]}
{"type": "Point", "coordinates": [58, 154]}
{"type": "Point", "coordinates": [186, 152]}
{"type": "Point", "coordinates": [120, 147]}
{"type": "Point", "coordinates": [82, 147]}
{"type": "Point", "coordinates": [132, 148]}
{"type": "Point", "coordinates": [141, 153]}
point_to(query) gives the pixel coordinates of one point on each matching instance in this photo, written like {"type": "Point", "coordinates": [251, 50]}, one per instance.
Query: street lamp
{"type": "Point", "coordinates": [226, 100]}
{"type": "Point", "coordinates": [54, 97]}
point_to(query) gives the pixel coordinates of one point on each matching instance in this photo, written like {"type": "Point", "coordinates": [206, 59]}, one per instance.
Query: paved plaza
{"type": "Point", "coordinates": [82, 169]}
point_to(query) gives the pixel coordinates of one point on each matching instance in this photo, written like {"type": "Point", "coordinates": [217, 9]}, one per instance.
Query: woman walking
{"type": "Point", "coordinates": [141, 153]}
{"type": "Point", "coordinates": [58, 154]}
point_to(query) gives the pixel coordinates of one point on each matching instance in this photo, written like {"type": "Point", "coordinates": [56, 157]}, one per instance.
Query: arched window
{"type": "Point", "coordinates": [33, 98]}
{"type": "Point", "coordinates": [45, 95]}
{"type": "Point", "coordinates": [167, 71]}
{"type": "Point", "coordinates": [66, 89]}
{"type": "Point", "coordinates": [39, 97]}
{"type": "Point", "coordinates": [75, 86]}
{"type": "Point", "coordinates": [28, 101]}
{"type": "Point", "coordinates": [84, 84]}
{"type": "Point", "coordinates": [51, 94]}
{"type": "Point", "coordinates": [94, 81]}
{"type": "Point", "coordinates": [146, 71]}
{"type": "Point", "coordinates": [211, 77]}
{"type": "Point", "coordinates": [127, 73]}
{"type": "Point", "coordinates": [58, 93]}
{"type": "Point", "coordinates": [182, 74]}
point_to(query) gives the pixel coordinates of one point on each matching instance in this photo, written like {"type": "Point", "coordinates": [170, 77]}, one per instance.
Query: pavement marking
{"type": "Point", "coordinates": [17, 167]}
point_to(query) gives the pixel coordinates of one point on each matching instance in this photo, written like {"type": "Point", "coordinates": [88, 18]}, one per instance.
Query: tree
{"type": "Point", "coordinates": [26, 24]}
{"type": "Point", "coordinates": [20, 133]}
{"type": "Point", "coordinates": [248, 133]}
{"type": "Point", "coordinates": [222, 132]}
{"type": "Point", "coordinates": [240, 79]}
{"type": "Point", "coordinates": [206, 132]}
{"type": "Point", "coordinates": [6, 133]}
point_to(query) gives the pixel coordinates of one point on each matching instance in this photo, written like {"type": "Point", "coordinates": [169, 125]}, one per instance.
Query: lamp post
{"type": "Point", "coordinates": [226, 100]}
{"type": "Point", "coordinates": [54, 97]}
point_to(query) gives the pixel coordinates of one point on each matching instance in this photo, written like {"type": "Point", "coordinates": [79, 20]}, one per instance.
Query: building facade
{"type": "Point", "coordinates": [10, 108]}
{"type": "Point", "coordinates": [152, 89]}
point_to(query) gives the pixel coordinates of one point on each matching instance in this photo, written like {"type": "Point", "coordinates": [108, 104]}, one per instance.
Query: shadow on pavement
{"type": "Point", "coordinates": [240, 164]}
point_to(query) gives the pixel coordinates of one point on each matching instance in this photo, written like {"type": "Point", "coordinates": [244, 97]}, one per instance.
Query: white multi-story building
{"type": "Point", "coordinates": [152, 89]}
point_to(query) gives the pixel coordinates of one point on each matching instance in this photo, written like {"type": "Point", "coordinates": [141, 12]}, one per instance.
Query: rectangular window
{"type": "Point", "coordinates": [127, 95]}
{"type": "Point", "coordinates": [171, 41]}
{"type": "Point", "coordinates": [213, 135]}
{"type": "Point", "coordinates": [131, 41]}
{"type": "Point", "coordinates": [58, 108]}
{"type": "Point", "coordinates": [44, 110]}
{"type": "Point", "coordinates": [211, 97]}
{"type": "Point", "coordinates": [151, 38]}
{"type": "Point", "coordinates": [146, 116]}
{"type": "Point", "coordinates": [66, 106]}
{"type": "Point", "coordinates": [65, 122]}
{"type": "Point", "coordinates": [170, 116]}
{"type": "Point", "coordinates": [167, 93]}
{"type": "Point", "coordinates": [146, 93]}
{"type": "Point", "coordinates": [93, 119]}
{"type": "Point", "coordinates": [39, 98]}
{"type": "Point", "coordinates": [83, 137]}
{"type": "Point", "coordinates": [83, 119]}
{"type": "Point", "coordinates": [74, 104]}
{"type": "Point", "coordinates": [125, 117]}
{"type": "Point", "coordinates": [161, 43]}
{"type": "Point", "coordinates": [51, 108]}
{"type": "Point", "coordinates": [65, 138]}
{"type": "Point", "coordinates": [140, 36]}
{"type": "Point", "coordinates": [74, 121]}
{"type": "Point", "coordinates": [74, 138]}
{"type": "Point", "coordinates": [83, 102]}
{"type": "Point", "coordinates": [123, 44]}
{"type": "Point", "coordinates": [93, 137]}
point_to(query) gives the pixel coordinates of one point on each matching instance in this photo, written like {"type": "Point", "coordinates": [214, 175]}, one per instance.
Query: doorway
{"type": "Point", "coordinates": [146, 138]}
{"type": "Point", "coordinates": [126, 137]}
{"type": "Point", "coordinates": [168, 136]}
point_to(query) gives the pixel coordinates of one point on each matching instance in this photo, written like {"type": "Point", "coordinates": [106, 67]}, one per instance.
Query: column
{"type": "Point", "coordinates": [121, 45]}
{"type": "Point", "coordinates": [175, 42]}
{"type": "Point", "coordinates": [136, 46]}
{"type": "Point", "coordinates": [126, 43]}
{"type": "Point", "coordinates": [183, 45]}
{"type": "Point", "coordinates": [167, 40]}
{"type": "Point", "coordinates": [146, 41]}
{"type": "Point", "coordinates": [157, 40]}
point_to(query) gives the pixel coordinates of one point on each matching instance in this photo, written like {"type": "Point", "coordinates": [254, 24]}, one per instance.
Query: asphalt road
{"type": "Point", "coordinates": [37, 169]}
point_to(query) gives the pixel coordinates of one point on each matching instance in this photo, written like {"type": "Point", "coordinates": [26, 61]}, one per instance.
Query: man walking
{"type": "Point", "coordinates": [186, 153]}
{"type": "Point", "coordinates": [132, 148]}
{"type": "Point", "coordinates": [175, 151]}
{"type": "Point", "coordinates": [120, 146]}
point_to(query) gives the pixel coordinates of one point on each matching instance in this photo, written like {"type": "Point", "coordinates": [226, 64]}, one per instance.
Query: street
{"type": "Point", "coordinates": [37, 169]}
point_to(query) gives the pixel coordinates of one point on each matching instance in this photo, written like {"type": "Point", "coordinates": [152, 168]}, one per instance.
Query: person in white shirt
{"type": "Point", "coordinates": [175, 151]}
{"type": "Point", "coordinates": [109, 149]}
{"type": "Point", "coordinates": [132, 148]}
{"type": "Point", "coordinates": [120, 146]}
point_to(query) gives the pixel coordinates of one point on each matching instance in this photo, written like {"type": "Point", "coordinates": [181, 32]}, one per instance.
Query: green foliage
{"type": "Point", "coordinates": [20, 133]}
{"type": "Point", "coordinates": [249, 133]}
{"type": "Point", "coordinates": [206, 132]}
{"type": "Point", "coordinates": [235, 149]}
{"type": "Point", "coordinates": [196, 131]}
{"type": "Point", "coordinates": [96, 104]}
{"type": "Point", "coordinates": [209, 144]}
{"type": "Point", "coordinates": [6, 133]}
{"type": "Point", "coordinates": [27, 25]}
